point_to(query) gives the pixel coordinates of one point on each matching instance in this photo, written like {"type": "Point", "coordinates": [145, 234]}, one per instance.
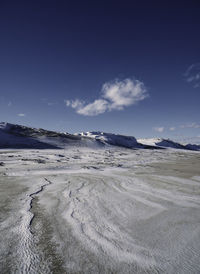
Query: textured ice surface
{"type": "Point", "coordinates": [114, 210]}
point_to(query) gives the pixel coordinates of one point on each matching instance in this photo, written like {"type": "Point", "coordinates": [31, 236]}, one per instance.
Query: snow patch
{"type": "Point", "coordinates": [111, 139]}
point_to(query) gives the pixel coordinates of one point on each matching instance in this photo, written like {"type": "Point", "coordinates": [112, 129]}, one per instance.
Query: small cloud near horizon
{"type": "Point", "coordinates": [21, 114]}
{"type": "Point", "coordinates": [115, 95]}
{"type": "Point", "coordinates": [159, 129]}
{"type": "Point", "coordinates": [190, 125]}
{"type": "Point", "coordinates": [49, 103]}
{"type": "Point", "coordinates": [172, 128]}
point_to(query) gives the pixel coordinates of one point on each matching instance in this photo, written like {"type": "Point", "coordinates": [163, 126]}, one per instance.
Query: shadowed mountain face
{"type": "Point", "coordinates": [24, 131]}
{"type": "Point", "coordinates": [169, 143]}
{"type": "Point", "coordinates": [9, 138]}
{"type": "Point", "coordinates": [17, 136]}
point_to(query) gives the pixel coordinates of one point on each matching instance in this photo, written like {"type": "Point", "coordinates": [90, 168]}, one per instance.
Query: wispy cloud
{"type": "Point", "coordinates": [77, 104]}
{"type": "Point", "coordinates": [159, 129]}
{"type": "Point", "coordinates": [49, 103]}
{"type": "Point", "coordinates": [9, 104]}
{"type": "Point", "coordinates": [186, 125]}
{"type": "Point", "coordinates": [114, 95]}
{"type": "Point", "coordinates": [192, 75]}
{"type": "Point", "coordinates": [21, 114]}
{"type": "Point", "coordinates": [190, 125]}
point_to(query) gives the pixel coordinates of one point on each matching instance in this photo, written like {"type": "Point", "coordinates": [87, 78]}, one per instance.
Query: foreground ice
{"type": "Point", "coordinates": [114, 210]}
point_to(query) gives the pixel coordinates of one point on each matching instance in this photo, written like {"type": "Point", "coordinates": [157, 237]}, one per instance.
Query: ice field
{"type": "Point", "coordinates": [102, 210]}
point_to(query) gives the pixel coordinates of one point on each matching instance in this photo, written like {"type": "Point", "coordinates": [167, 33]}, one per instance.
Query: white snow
{"type": "Point", "coordinates": [23, 137]}
{"type": "Point", "coordinates": [159, 142]}
{"type": "Point", "coordinates": [111, 139]}
{"type": "Point", "coordinates": [149, 141]}
{"type": "Point", "coordinates": [108, 207]}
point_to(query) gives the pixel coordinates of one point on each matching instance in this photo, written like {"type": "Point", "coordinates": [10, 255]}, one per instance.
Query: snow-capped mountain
{"type": "Point", "coordinates": [18, 136]}
{"type": "Point", "coordinates": [160, 142]}
{"type": "Point", "coordinates": [167, 143]}
{"type": "Point", "coordinates": [111, 139]}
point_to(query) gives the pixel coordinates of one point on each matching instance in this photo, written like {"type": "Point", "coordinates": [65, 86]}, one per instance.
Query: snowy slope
{"type": "Point", "coordinates": [17, 136]}
{"type": "Point", "coordinates": [99, 211]}
{"type": "Point", "coordinates": [193, 147]}
{"type": "Point", "coordinates": [149, 141]}
{"type": "Point", "coordinates": [111, 139]}
{"type": "Point", "coordinates": [12, 139]}
{"type": "Point", "coordinates": [159, 142]}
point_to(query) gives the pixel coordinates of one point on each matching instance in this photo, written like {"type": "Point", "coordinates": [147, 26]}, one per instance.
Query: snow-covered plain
{"type": "Point", "coordinates": [99, 210]}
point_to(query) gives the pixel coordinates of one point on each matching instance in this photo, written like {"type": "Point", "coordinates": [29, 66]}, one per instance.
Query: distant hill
{"type": "Point", "coordinates": [167, 143]}
{"type": "Point", "coordinates": [18, 136]}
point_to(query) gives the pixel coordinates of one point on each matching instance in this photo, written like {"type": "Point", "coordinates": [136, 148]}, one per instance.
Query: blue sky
{"type": "Point", "coordinates": [130, 67]}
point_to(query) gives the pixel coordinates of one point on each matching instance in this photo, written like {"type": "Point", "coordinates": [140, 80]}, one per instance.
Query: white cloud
{"type": "Point", "coordinates": [172, 128]}
{"type": "Point", "coordinates": [123, 93]}
{"type": "Point", "coordinates": [9, 104]}
{"type": "Point", "coordinates": [77, 104]}
{"type": "Point", "coordinates": [97, 107]}
{"type": "Point", "coordinates": [159, 129]}
{"type": "Point", "coordinates": [68, 103]}
{"type": "Point", "coordinates": [191, 125]}
{"type": "Point", "coordinates": [21, 114]}
{"type": "Point", "coordinates": [192, 75]}
{"type": "Point", "coordinates": [115, 95]}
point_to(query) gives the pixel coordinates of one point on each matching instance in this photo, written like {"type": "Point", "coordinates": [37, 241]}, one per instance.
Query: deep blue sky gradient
{"type": "Point", "coordinates": [56, 50]}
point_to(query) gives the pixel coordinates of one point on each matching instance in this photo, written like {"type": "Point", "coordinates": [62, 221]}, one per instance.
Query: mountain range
{"type": "Point", "coordinates": [18, 136]}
